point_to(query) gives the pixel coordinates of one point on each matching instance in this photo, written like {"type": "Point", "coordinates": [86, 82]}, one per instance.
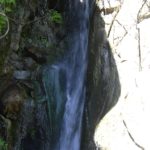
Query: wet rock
{"type": "Point", "coordinates": [22, 75]}
{"type": "Point", "coordinates": [12, 102]}
{"type": "Point", "coordinates": [3, 127]}
{"type": "Point", "coordinates": [17, 86]}
{"type": "Point", "coordinates": [38, 55]}
{"type": "Point", "coordinates": [103, 87]}
{"type": "Point", "coordinates": [24, 127]}
{"type": "Point", "coordinates": [17, 64]}
{"type": "Point", "coordinates": [29, 63]}
{"type": "Point", "coordinates": [43, 56]}
{"type": "Point", "coordinates": [12, 96]}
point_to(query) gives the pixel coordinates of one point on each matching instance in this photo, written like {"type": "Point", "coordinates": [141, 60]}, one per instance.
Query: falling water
{"type": "Point", "coordinates": [64, 81]}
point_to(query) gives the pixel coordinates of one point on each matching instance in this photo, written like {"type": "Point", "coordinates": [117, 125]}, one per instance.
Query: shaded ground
{"type": "Point", "coordinates": [126, 127]}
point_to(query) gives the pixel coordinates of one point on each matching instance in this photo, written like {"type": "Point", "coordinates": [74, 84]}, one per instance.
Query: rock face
{"type": "Point", "coordinates": [30, 45]}
{"type": "Point", "coordinates": [103, 86]}
{"type": "Point", "coordinates": [38, 43]}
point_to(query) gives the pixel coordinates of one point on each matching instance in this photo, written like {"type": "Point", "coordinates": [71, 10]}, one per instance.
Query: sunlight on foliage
{"type": "Point", "coordinates": [56, 17]}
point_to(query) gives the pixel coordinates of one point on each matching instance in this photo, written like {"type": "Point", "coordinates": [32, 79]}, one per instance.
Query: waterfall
{"type": "Point", "coordinates": [64, 82]}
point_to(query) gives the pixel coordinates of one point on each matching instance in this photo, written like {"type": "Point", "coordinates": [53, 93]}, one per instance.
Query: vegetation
{"type": "Point", "coordinates": [2, 23]}
{"type": "Point", "coordinates": [5, 7]}
{"type": "Point", "coordinates": [56, 17]}
{"type": "Point", "coordinates": [3, 144]}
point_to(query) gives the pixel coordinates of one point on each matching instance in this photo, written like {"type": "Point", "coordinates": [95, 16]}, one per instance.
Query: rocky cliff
{"type": "Point", "coordinates": [103, 86]}
{"type": "Point", "coordinates": [37, 38]}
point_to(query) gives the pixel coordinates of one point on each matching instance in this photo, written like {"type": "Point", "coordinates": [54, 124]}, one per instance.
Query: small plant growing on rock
{"type": "Point", "coordinates": [56, 17]}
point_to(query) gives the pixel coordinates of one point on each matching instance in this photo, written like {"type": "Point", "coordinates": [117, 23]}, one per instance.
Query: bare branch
{"type": "Point", "coordinates": [139, 39]}
{"type": "Point", "coordinates": [139, 48]}
{"type": "Point", "coordinates": [122, 37]}
{"type": "Point", "coordinates": [113, 20]}
{"type": "Point", "coordinates": [130, 135]}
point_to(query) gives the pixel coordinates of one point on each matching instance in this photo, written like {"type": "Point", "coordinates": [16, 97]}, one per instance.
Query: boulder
{"type": "Point", "coordinates": [103, 86]}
